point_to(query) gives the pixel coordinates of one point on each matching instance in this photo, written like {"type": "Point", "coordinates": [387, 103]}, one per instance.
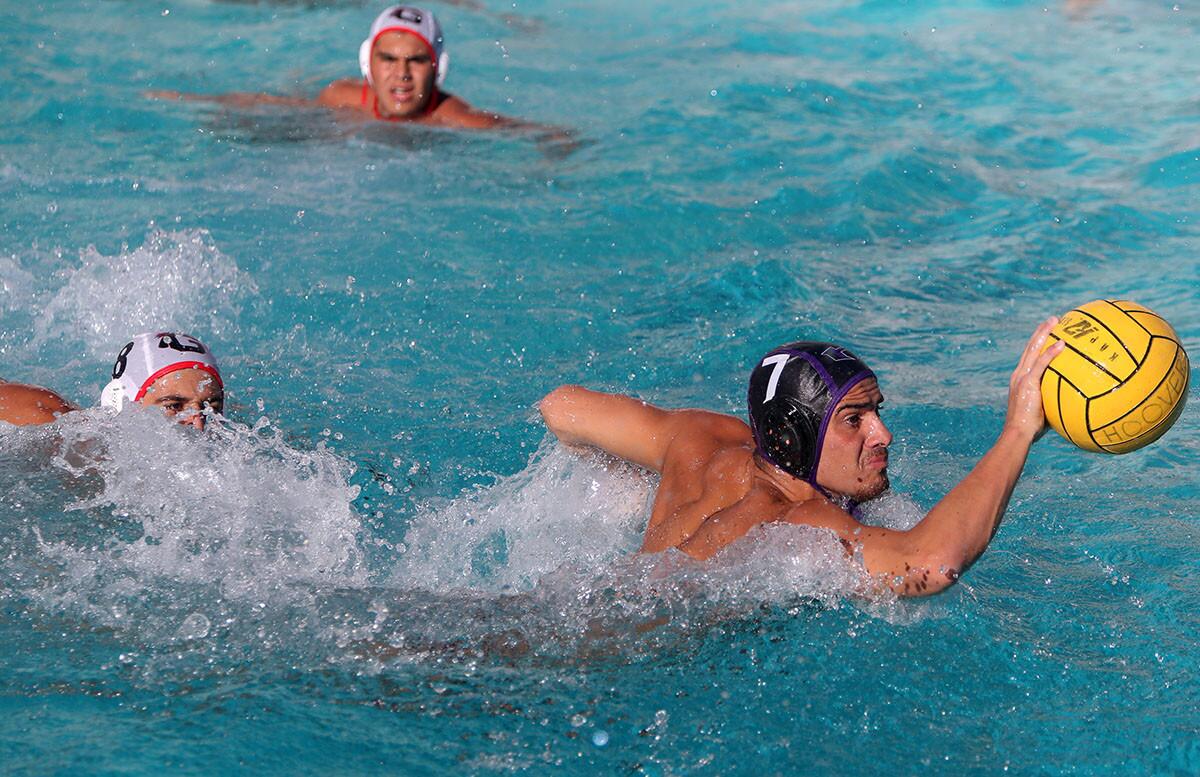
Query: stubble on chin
{"type": "Point", "coordinates": [874, 489]}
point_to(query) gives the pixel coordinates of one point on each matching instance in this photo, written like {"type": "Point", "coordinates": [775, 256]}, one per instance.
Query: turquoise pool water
{"type": "Point", "coordinates": [380, 565]}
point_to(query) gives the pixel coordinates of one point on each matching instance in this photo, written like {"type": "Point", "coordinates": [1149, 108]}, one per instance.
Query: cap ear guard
{"type": "Point", "coordinates": [364, 64]}
{"type": "Point", "coordinates": [113, 396]}
{"type": "Point", "coordinates": [788, 431]}
{"type": "Point", "coordinates": [364, 60]}
{"type": "Point", "coordinates": [443, 64]}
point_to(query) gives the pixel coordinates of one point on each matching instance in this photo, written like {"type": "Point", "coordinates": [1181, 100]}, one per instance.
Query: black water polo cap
{"type": "Point", "coordinates": [794, 390]}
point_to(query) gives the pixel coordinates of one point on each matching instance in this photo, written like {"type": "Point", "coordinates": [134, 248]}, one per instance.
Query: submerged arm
{"type": "Point", "coordinates": [455, 112]}
{"type": "Point", "coordinates": [236, 99]}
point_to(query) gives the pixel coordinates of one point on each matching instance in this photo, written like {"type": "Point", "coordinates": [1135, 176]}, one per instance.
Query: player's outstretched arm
{"type": "Point", "coordinates": [236, 99]}
{"type": "Point", "coordinates": [935, 552]}
{"type": "Point", "coordinates": [623, 426]}
{"type": "Point", "coordinates": [21, 404]}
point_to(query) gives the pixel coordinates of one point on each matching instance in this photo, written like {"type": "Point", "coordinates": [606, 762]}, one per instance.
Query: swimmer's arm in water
{"type": "Point", "coordinates": [342, 94]}
{"type": "Point", "coordinates": [21, 404]}
{"type": "Point", "coordinates": [236, 99]}
{"type": "Point", "coordinates": [933, 554]}
{"type": "Point", "coordinates": [454, 112]}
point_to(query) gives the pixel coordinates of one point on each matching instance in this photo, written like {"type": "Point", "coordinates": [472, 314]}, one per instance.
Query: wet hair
{"type": "Point", "coordinates": [794, 390]}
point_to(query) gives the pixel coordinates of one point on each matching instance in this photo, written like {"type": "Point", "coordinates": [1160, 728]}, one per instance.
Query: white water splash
{"type": "Point", "coordinates": [233, 538]}
{"type": "Point", "coordinates": [231, 517]}
{"type": "Point", "coordinates": [563, 509]}
{"type": "Point", "coordinates": [17, 285]}
{"type": "Point", "coordinates": [569, 526]}
{"type": "Point", "coordinates": [173, 280]}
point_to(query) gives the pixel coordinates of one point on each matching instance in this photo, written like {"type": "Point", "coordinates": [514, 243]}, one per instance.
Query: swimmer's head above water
{"type": "Point", "coordinates": [403, 62]}
{"type": "Point", "coordinates": [168, 370]}
{"type": "Point", "coordinates": [814, 414]}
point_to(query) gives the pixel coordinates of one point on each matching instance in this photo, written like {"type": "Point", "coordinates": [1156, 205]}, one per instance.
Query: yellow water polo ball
{"type": "Point", "coordinates": [1121, 381]}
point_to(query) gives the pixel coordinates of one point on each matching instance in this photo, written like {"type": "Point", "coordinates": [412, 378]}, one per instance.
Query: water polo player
{"type": "Point", "coordinates": [403, 62]}
{"type": "Point", "coordinates": [815, 447]}
{"type": "Point", "coordinates": [168, 370]}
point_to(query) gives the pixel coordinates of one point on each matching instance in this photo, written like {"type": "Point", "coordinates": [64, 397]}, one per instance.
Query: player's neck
{"type": "Point", "coordinates": [791, 488]}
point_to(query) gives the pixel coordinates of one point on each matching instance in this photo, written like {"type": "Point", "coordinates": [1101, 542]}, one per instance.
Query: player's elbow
{"type": "Point", "coordinates": [930, 573]}
{"type": "Point", "coordinates": [558, 410]}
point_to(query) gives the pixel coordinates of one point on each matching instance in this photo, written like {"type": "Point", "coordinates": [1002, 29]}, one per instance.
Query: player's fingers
{"type": "Point", "coordinates": [1036, 341]}
{"type": "Point", "coordinates": [1032, 378]}
{"type": "Point", "coordinates": [1047, 356]}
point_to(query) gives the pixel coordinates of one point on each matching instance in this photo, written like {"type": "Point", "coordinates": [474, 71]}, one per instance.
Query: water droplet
{"type": "Point", "coordinates": [600, 738]}
{"type": "Point", "coordinates": [194, 626]}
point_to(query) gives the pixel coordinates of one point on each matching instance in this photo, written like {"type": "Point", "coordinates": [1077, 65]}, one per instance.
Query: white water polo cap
{"type": "Point", "coordinates": [414, 21]}
{"type": "Point", "coordinates": [150, 356]}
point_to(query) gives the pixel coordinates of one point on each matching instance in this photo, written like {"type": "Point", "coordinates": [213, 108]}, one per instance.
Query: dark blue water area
{"type": "Point", "coordinates": [380, 565]}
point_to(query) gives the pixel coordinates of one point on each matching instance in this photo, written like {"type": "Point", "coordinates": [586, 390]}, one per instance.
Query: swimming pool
{"type": "Point", "coordinates": [380, 565]}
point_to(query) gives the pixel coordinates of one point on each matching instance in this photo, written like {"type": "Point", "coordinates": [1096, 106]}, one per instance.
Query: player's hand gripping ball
{"type": "Point", "coordinates": [1121, 381]}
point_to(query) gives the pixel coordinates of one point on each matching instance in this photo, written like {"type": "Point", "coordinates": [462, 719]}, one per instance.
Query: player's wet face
{"type": "Point", "coordinates": [854, 456]}
{"type": "Point", "coordinates": [185, 395]}
{"type": "Point", "coordinates": [402, 75]}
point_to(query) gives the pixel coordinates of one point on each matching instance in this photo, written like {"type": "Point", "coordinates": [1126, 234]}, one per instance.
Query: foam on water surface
{"type": "Point", "coordinates": [232, 539]}
{"type": "Point", "coordinates": [173, 280]}
{"type": "Point", "coordinates": [160, 519]}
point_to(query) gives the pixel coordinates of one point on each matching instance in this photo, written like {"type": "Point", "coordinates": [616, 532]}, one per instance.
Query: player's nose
{"type": "Point", "coordinates": [878, 434]}
{"type": "Point", "coordinates": [192, 419]}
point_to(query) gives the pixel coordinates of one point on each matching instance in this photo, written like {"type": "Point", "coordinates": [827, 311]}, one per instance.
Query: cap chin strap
{"type": "Point", "coordinates": [364, 64]}
{"type": "Point", "coordinates": [113, 396]}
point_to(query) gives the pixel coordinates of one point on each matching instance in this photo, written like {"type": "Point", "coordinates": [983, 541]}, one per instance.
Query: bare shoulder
{"type": "Point", "coordinates": [716, 444]}
{"type": "Point", "coordinates": [343, 93]}
{"type": "Point", "coordinates": [22, 404]}
{"type": "Point", "coordinates": [719, 428]}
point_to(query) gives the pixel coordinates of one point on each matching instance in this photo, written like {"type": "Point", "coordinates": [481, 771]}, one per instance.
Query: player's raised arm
{"type": "Point", "coordinates": [934, 553]}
